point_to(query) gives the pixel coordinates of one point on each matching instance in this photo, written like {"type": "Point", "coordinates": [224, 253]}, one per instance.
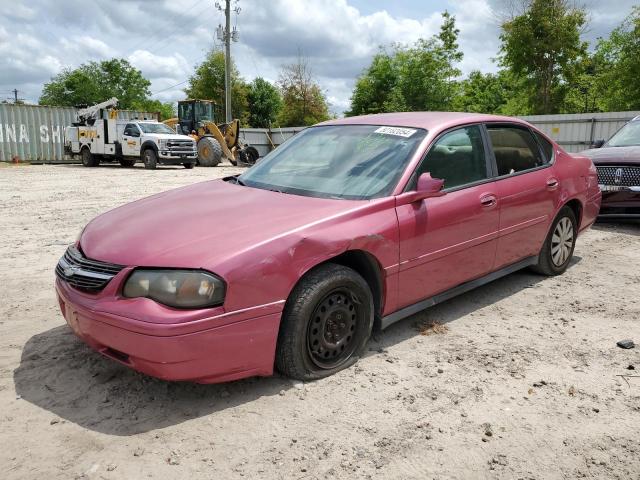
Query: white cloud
{"type": "Point", "coordinates": [166, 38]}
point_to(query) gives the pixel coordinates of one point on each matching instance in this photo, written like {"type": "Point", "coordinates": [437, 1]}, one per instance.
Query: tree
{"type": "Point", "coordinates": [166, 109]}
{"type": "Point", "coordinates": [264, 103]}
{"type": "Point", "coordinates": [617, 66]}
{"type": "Point", "coordinates": [542, 46]}
{"type": "Point", "coordinates": [420, 77]}
{"type": "Point", "coordinates": [483, 93]}
{"type": "Point", "coordinates": [96, 82]}
{"type": "Point", "coordinates": [207, 83]}
{"type": "Point", "coordinates": [303, 102]}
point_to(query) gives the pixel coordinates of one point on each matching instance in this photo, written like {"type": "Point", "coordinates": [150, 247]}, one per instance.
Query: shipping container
{"type": "Point", "coordinates": [33, 133]}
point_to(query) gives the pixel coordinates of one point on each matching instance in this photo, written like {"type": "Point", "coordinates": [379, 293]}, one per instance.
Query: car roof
{"type": "Point", "coordinates": [427, 120]}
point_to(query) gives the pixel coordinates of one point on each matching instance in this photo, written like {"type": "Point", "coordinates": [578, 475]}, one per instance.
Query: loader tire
{"type": "Point", "coordinates": [209, 152]}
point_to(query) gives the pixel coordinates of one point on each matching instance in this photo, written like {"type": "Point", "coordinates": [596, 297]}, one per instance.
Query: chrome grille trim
{"type": "Point", "coordinates": [621, 175]}
{"type": "Point", "coordinates": [84, 273]}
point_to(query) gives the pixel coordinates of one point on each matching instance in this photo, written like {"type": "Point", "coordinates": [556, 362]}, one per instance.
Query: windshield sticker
{"type": "Point", "coordinates": [397, 131]}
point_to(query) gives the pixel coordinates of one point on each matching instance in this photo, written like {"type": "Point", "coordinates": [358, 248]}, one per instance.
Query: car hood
{"type": "Point", "coordinates": [168, 136]}
{"type": "Point", "coordinates": [613, 155]}
{"type": "Point", "coordinates": [201, 225]}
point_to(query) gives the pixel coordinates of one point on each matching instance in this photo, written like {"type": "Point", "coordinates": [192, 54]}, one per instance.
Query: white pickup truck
{"type": "Point", "coordinates": [127, 141]}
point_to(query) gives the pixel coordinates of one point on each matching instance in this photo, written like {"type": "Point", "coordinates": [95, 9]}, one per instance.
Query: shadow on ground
{"type": "Point", "coordinates": [60, 374]}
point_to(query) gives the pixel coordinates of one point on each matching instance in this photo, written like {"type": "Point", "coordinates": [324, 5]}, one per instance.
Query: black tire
{"type": "Point", "coordinates": [557, 249]}
{"type": "Point", "coordinates": [326, 323]}
{"type": "Point", "coordinates": [127, 162]}
{"type": "Point", "coordinates": [188, 165]}
{"type": "Point", "coordinates": [209, 152]}
{"type": "Point", "coordinates": [150, 159]}
{"type": "Point", "coordinates": [88, 158]}
{"type": "Point", "coordinates": [252, 155]}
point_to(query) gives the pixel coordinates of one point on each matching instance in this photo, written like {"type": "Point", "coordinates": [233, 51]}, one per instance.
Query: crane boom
{"type": "Point", "coordinates": [87, 113]}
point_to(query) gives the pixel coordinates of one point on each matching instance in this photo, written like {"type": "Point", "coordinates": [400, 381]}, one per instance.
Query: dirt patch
{"type": "Point", "coordinates": [523, 383]}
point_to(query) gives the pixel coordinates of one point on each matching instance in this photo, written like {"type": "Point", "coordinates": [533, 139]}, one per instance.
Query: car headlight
{"type": "Point", "coordinates": [176, 288]}
{"type": "Point", "coordinates": [162, 144]}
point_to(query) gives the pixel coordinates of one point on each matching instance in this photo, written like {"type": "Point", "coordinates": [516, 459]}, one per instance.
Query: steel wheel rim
{"type": "Point", "coordinates": [562, 241]}
{"type": "Point", "coordinates": [332, 331]}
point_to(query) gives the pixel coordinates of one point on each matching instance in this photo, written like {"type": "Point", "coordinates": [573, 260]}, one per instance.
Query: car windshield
{"type": "Point", "coordinates": [155, 128]}
{"type": "Point", "coordinates": [627, 136]}
{"type": "Point", "coordinates": [338, 161]}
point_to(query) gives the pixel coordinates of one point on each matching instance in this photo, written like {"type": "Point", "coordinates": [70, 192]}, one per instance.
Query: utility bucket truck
{"type": "Point", "coordinates": [98, 135]}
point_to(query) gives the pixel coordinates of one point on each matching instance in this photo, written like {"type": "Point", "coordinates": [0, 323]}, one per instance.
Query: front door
{"type": "Point", "coordinates": [527, 191]}
{"type": "Point", "coordinates": [446, 241]}
{"type": "Point", "coordinates": [131, 140]}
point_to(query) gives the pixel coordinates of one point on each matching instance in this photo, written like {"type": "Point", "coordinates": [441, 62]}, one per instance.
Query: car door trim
{"type": "Point", "coordinates": [455, 291]}
{"type": "Point", "coordinates": [443, 252]}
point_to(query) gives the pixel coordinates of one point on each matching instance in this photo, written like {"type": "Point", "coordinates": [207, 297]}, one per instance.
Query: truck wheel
{"type": "Point", "coordinates": [89, 159]}
{"type": "Point", "coordinates": [150, 159]}
{"type": "Point", "coordinates": [188, 166]}
{"type": "Point", "coordinates": [127, 162]}
{"type": "Point", "coordinates": [209, 152]}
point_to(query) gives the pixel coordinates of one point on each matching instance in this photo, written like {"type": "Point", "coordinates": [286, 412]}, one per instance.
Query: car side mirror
{"type": "Point", "coordinates": [427, 187]}
{"type": "Point", "coordinates": [597, 144]}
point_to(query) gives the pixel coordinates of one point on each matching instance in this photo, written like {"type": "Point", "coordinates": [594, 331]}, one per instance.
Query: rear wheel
{"type": "Point", "coordinates": [127, 162]}
{"type": "Point", "coordinates": [150, 159]}
{"type": "Point", "coordinates": [209, 152]}
{"type": "Point", "coordinates": [557, 250]}
{"type": "Point", "coordinates": [89, 159]}
{"type": "Point", "coordinates": [326, 323]}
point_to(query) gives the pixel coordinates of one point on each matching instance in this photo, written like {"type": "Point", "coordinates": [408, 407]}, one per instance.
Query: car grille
{"type": "Point", "coordinates": [83, 273]}
{"type": "Point", "coordinates": [619, 176]}
{"type": "Point", "coordinates": [181, 146]}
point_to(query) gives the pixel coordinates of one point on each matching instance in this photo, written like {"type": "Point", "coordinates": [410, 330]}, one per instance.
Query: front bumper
{"type": "Point", "coordinates": [177, 157]}
{"type": "Point", "coordinates": [218, 349]}
{"type": "Point", "coordinates": [620, 203]}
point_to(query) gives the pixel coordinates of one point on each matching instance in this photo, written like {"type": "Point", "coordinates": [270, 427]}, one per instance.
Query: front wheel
{"type": "Point", "coordinates": [150, 159]}
{"type": "Point", "coordinates": [326, 323]}
{"type": "Point", "coordinates": [557, 250]}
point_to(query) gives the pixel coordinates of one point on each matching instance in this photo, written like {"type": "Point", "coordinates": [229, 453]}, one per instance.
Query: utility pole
{"type": "Point", "coordinates": [227, 35]}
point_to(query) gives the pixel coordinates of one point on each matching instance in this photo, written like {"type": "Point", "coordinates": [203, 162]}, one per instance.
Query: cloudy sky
{"type": "Point", "coordinates": [167, 38]}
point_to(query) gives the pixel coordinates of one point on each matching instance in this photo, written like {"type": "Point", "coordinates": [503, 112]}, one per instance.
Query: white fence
{"type": "Point", "coordinates": [575, 132]}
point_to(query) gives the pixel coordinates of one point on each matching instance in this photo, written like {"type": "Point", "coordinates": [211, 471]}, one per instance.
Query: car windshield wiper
{"type": "Point", "coordinates": [240, 182]}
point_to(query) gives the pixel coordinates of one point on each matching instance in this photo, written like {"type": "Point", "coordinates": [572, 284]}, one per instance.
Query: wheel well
{"type": "Point", "coordinates": [576, 206]}
{"type": "Point", "coordinates": [368, 267]}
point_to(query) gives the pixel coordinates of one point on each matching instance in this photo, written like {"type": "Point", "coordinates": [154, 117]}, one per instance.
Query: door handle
{"type": "Point", "coordinates": [488, 200]}
{"type": "Point", "coordinates": [552, 183]}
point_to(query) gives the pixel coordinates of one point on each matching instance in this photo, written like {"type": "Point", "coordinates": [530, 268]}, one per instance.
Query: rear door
{"type": "Point", "coordinates": [527, 190]}
{"type": "Point", "coordinates": [446, 241]}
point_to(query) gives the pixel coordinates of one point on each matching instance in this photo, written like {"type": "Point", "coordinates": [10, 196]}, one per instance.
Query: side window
{"type": "Point", "coordinates": [515, 149]}
{"type": "Point", "coordinates": [130, 130]}
{"type": "Point", "coordinates": [457, 158]}
{"type": "Point", "coordinates": [547, 147]}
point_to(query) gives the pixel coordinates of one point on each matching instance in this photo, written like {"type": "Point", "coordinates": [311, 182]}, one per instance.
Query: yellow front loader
{"type": "Point", "coordinates": [215, 141]}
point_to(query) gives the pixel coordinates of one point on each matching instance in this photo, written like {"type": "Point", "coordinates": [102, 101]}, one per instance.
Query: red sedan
{"type": "Point", "coordinates": [351, 225]}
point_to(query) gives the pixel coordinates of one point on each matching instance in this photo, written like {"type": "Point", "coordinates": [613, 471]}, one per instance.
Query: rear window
{"type": "Point", "coordinates": [547, 147]}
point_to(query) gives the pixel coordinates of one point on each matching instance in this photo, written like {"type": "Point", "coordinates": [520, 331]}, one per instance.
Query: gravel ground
{"type": "Point", "coordinates": [517, 379]}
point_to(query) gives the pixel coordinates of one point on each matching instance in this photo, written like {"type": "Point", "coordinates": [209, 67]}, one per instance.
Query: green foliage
{"type": "Point", "coordinates": [483, 93]}
{"type": "Point", "coordinates": [207, 83]}
{"type": "Point", "coordinates": [303, 102]}
{"type": "Point", "coordinates": [166, 109]}
{"type": "Point", "coordinates": [542, 46]}
{"type": "Point", "coordinates": [95, 82]}
{"type": "Point", "coordinates": [617, 65]}
{"type": "Point", "coordinates": [420, 77]}
{"type": "Point", "coordinates": [264, 102]}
